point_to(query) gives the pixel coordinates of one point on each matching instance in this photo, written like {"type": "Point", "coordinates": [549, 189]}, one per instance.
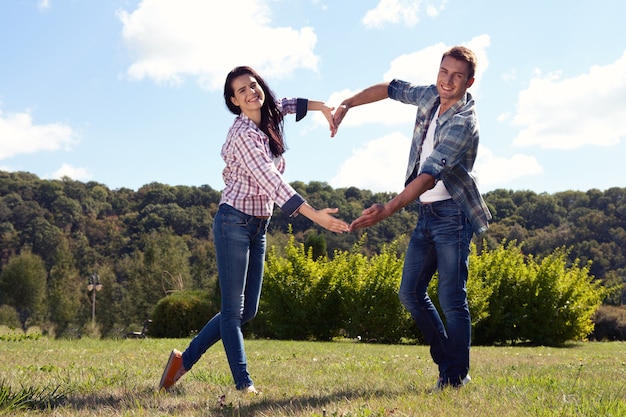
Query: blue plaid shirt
{"type": "Point", "coordinates": [455, 147]}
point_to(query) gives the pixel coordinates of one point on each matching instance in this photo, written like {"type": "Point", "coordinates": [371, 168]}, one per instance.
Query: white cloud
{"type": "Point", "coordinates": [172, 40]}
{"type": "Point", "coordinates": [492, 171]}
{"type": "Point", "coordinates": [75, 173]}
{"type": "Point", "coordinates": [401, 11]}
{"type": "Point", "coordinates": [22, 136]}
{"type": "Point", "coordinates": [509, 76]}
{"type": "Point", "coordinates": [379, 166]}
{"type": "Point", "coordinates": [567, 113]}
{"type": "Point", "coordinates": [504, 117]}
{"type": "Point", "coordinates": [418, 67]}
{"type": "Point", "coordinates": [43, 4]}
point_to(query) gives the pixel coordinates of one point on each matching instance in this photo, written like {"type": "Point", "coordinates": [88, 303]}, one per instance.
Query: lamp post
{"type": "Point", "coordinates": [93, 285]}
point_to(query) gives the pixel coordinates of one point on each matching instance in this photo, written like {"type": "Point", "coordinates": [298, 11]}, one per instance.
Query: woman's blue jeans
{"type": "Point", "coordinates": [440, 242]}
{"type": "Point", "coordinates": [240, 250]}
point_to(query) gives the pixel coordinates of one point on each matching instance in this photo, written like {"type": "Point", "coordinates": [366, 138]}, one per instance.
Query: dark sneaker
{"type": "Point", "coordinates": [441, 384]}
{"type": "Point", "coordinates": [173, 370]}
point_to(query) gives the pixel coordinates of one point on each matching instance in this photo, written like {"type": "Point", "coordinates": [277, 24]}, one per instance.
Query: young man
{"type": "Point", "coordinates": [451, 209]}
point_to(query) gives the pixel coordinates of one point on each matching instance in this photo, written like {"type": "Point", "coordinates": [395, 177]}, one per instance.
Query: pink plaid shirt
{"type": "Point", "coordinates": [253, 176]}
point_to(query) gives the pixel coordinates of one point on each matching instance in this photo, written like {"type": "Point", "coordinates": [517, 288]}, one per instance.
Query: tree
{"type": "Point", "coordinates": [43, 238]}
{"type": "Point", "coordinates": [317, 244]}
{"type": "Point", "coordinates": [23, 286]}
{"type": "Point", "coordinates": [163, 266]}
{"type": "Point", "coordinates": [203, 266]}
{"type": "Point", "coordinates": [156, 193]}
{"type": "Point", "coordinates": [64, 291]}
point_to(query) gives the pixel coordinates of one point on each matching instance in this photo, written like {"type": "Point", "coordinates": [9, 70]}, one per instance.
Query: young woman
{"type": "Point", "coordinates": [253, 153]}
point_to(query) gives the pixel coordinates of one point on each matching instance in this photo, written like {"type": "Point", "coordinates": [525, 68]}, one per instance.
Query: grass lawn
{"type": "Point", "coordinates": [90, 377]}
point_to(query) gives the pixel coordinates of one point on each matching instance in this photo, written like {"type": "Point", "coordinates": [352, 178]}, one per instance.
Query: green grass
{"type": "Point", "coordinates": [91, 377]}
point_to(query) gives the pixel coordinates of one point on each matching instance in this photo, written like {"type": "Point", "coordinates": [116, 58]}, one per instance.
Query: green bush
{"type": "Point", "coordinates": [300, 298]}
{"type": "Point", "coordinates": [182, 314]}
{"type": "Point", "coordinates": [500, 274]}
{"type": "Point", "coordinates": [544, 303]}
{"type": "Point", "coordinates": [561, 301]}
{"type": "Point", "coordinates": [610, 323]}
{"type": "Point", "coordinates": [375, 312]}
{"type": "Point", "coordinates": [9, 316]}
{"type": "Point", "coordinates": [351, 295]}
{"type": "Point", "coordinates": [512, 298]}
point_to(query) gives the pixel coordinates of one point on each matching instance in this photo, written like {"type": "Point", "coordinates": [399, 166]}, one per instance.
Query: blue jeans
{"type": "Point", "coordinates": [440, 242]}
{"type": "Point", "coordinates": [240, 250]}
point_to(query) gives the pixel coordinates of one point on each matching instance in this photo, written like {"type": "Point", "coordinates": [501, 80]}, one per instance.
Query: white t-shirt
{"type": "Point", "coordinates": [439, 191]}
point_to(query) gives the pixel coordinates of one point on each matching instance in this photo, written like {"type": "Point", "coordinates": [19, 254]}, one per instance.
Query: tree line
{"type": "Point", "coordinates": [145, 244]}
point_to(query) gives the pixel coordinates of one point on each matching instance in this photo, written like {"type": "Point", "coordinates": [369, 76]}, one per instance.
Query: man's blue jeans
{"type": "Point", "coordinates": [240, 251]}
{"type": "Point", "coordinates": [440, 242]}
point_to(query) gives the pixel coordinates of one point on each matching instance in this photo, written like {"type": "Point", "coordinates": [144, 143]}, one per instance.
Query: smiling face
{"type": "Point", "coordinates": [452, 81]}
{"type": "Point", "coordinates": [248, 95]}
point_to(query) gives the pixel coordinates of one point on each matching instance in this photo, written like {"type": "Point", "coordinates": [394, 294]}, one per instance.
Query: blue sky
{"type": "Point", "coordinates": [129, 92]}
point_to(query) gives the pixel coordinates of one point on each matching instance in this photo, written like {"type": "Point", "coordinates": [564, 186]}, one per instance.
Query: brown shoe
{"type": "Point", "coordinates": [173, 370]}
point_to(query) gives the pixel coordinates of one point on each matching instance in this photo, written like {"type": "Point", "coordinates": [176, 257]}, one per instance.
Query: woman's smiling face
{"type": "Point", "coordinates": [248, 94]}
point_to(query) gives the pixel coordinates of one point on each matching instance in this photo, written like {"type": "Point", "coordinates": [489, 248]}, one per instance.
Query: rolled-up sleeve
{"type": "Point", "coordinates": [302, 108]}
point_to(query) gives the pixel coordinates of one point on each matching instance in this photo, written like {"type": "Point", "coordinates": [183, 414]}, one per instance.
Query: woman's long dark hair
{"type": "Point", "coordinates": [271, 117]}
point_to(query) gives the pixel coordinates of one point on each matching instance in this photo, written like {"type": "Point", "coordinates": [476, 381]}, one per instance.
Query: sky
{"type": "Point", "coordinates": [127, 92]}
